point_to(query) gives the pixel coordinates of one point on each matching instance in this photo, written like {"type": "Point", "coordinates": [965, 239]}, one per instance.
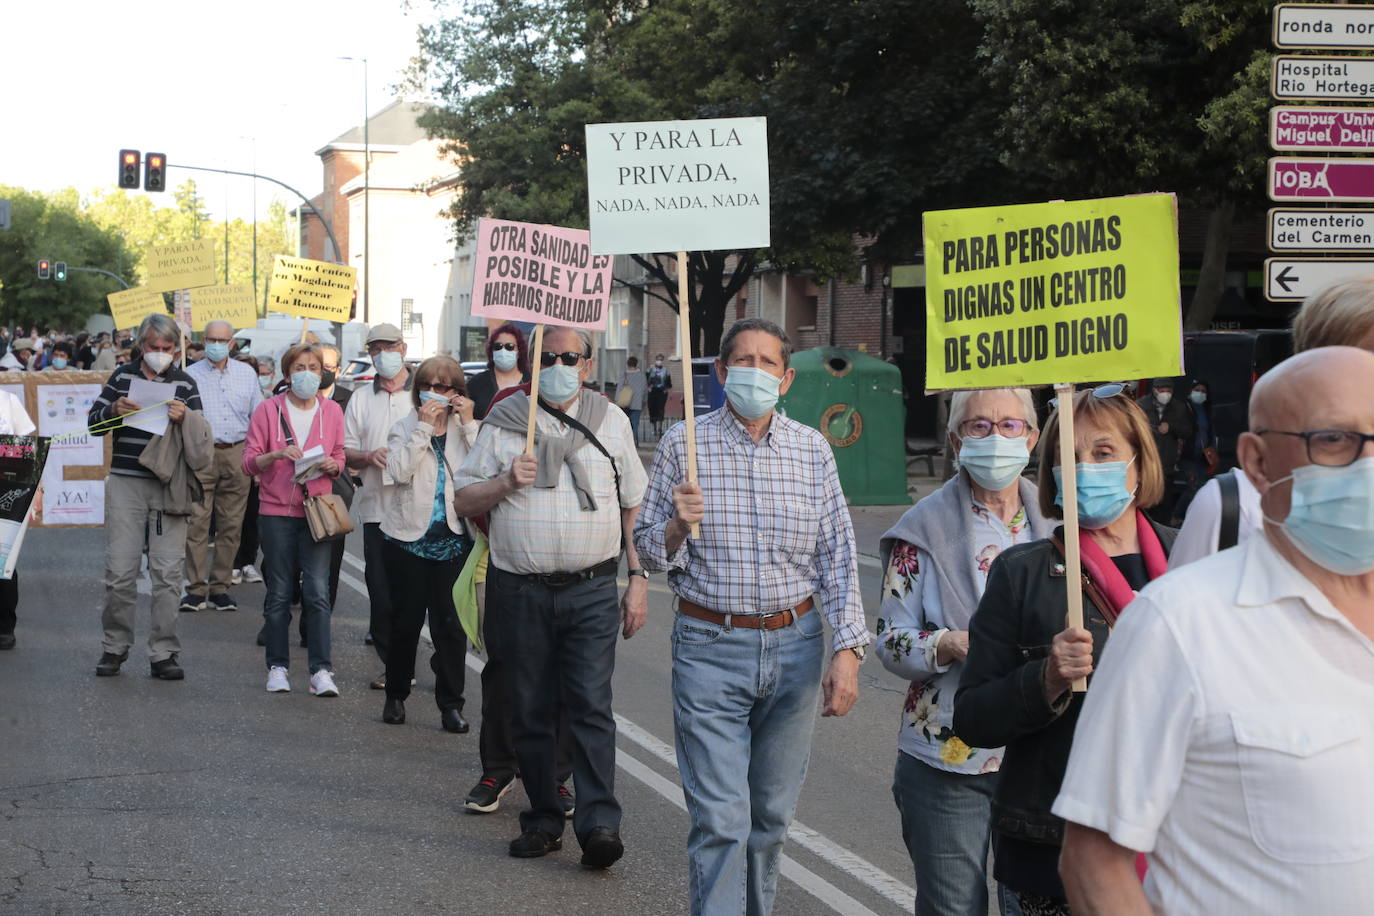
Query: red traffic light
{"type": "Point", "coordinates": [131, 158]}
{"type": "Point", "coordinates": [155, 161]}
{"type": "Point", "coordinates": [44, 269]}
{"type": "Point", "coordinates": [155, 172]}
{"type": "Point", "coordinates": [128, 168]}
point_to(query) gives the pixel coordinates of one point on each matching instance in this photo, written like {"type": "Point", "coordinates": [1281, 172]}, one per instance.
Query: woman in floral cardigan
{"type": "Point", "coordinates": [936, 560]}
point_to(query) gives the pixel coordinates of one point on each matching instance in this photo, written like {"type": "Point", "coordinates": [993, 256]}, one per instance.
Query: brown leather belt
{"type": "Point", "coordinates": [774, 621]}
{"type": "Point", "coordinates": [228, 444]}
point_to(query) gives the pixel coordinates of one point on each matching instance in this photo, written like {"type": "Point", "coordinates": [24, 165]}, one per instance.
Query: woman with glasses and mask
{"type": "Point", "coordinates": [508, 365]}
{"type": "Point", "coordinates": [425, 544]}
{"type": "Point", "coordinates": [937, 559]}
{"type": "Point", "coordinates": [1016, 687]}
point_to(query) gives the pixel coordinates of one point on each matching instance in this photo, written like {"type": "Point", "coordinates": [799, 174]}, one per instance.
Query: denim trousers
{"type": "Point", "coordinates": [289, 552]}
{"type": "Point", "coordinates": [947, 827]}
{"type": "Point", "coordinates": [744, 708]}
{"type": "Point", "coordinates": [562, 646]}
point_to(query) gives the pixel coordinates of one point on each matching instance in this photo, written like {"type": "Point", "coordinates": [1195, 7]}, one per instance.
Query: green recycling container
{"type": "Point", "coordinates": [855, 401]}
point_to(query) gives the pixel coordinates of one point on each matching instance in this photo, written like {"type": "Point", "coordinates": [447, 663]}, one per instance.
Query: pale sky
{"type": "Point", "coordinates": [198, 81]}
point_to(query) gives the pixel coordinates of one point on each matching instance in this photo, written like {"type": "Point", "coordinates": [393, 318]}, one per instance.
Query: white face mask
{"type": "Point", "coordinates": [158, 362]}
{"type": "Point", "coordinates": [1164, 397]}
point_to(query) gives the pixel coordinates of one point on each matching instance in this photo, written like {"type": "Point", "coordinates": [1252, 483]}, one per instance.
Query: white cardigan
{"type": "Point", "coordinates": [411, 464]}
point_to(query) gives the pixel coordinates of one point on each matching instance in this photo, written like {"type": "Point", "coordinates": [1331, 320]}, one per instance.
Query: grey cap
{"type": "Point", "coordinates": [23, 343]}
{"type": "Point", "coordinates": [384, 333]}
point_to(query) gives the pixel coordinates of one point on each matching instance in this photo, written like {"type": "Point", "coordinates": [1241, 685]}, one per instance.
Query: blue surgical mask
{"type": "Point", "coordinates": [559, 383]}
{"type": "Point", "coordinates": [1331, 516]}
{"type": "Point", "coordinates": [215, 352]}
{"type": "Point", "coordinates": [265, 381]}
{"type": "Point", "coordinates": [994, 462]}
{"type": "Point", "coordinates": [387, 363]}
{"type": "Point", "coordinates": [305, 384]}
{"type": "Point", "coordinates": [1102, 493]}
{"type": "Point", "coordinates": [59, 362]}
{"type": "Point", "coordinates": [427, 396]}
{"type": "Point", "coordinates": [505, 360]}
{"type": "Point", "coordinates": [752, 392]}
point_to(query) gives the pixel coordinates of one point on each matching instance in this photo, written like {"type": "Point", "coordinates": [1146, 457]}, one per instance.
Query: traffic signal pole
{"type": "Point", "coordinates": [96, 270]}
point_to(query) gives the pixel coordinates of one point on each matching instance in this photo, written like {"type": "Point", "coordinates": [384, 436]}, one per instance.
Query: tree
{"type": "Point", "coordinates": [1113, 98]}
{"type": "Point", "coordinates": [54, 226]}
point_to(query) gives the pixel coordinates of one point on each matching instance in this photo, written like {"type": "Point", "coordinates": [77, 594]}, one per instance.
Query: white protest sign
{"type": "Point", "coordinates": [678, 185]}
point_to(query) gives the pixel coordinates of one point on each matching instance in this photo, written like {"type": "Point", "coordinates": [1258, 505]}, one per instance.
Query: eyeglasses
{"type": "Point", "coordinates": [1332, 448]}
{"type": "Point", "coordinates": [438, 388]}
{"type": "Point", "coordinates": [503, 346]}
{"type": "Point", "coordinates": [1101, 392]}
{"type": "Point", "coordinates": [981, 428]}
{"type": "Point", "coordinates": [570, 358]}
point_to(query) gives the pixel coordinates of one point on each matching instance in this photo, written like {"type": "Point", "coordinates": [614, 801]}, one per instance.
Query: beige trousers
{"type": "Point", "coordinates": [226, 496]}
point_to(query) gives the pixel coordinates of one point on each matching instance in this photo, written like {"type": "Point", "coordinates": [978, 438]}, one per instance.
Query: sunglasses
{"type": "Point", "coordinates": [439, 388]}
{"type": "Point", "coordinates": [503, 346]}
{"type": "Point", "coordinates": [1101, 392]}
{"type": "Point", "coordinates": [570, 358]}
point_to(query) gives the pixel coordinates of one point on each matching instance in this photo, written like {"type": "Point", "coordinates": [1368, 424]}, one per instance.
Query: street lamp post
{"type": "Point", "coordinates": [367, 164]}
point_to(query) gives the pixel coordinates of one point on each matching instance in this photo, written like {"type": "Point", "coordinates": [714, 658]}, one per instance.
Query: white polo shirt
{"type": "Point", "coordinates": [371, 413]}
{"type": "Point", "coordinates": [1229, 732]}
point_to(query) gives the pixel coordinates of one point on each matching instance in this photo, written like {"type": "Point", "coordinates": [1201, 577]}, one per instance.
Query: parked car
{"type": "Point", "coordinates": [473, 368]}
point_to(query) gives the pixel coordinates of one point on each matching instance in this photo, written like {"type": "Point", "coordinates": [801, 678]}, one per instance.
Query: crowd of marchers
{"type": "Point", "coordinates": [1229, 665]}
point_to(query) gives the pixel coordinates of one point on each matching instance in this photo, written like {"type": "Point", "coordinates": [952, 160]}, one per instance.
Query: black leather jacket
{"type": "Point", "coordinates": [1001, 701]}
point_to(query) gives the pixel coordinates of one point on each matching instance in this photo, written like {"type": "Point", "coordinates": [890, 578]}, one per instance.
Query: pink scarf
{"type": "Point", "coordinates": [1104, 574]}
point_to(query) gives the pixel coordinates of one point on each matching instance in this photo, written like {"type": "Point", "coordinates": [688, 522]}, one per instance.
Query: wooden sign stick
{"type": "Point", "coordinates": [684, 329]}
{"type": "Point", "coordinates": [535, 361]}
{"type": "Point", "coordinates": [305, 328]}
{"type": "Point", "coordinates": [1068, 488]}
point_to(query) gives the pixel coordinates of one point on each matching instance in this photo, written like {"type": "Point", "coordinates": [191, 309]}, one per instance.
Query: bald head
{"type": "Point", "coordinates": [219, 329]}
{"type": "Point", "coordinates": [1325, 388]}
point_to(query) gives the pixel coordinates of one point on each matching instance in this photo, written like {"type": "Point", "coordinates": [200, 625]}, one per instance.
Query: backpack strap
{"type": "Point", "coordinates": [1229, 533]}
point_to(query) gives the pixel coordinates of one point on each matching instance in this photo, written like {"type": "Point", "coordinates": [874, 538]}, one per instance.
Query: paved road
{"type": "Point", "coordinates": [131, 795]}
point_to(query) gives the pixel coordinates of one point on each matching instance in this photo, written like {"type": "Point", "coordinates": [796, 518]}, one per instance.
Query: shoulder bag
{"type": "Point", "coordinates": [326, 515]}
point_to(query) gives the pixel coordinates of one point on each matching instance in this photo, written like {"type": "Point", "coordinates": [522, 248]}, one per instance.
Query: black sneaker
{"type": "Point", "coordinates": [221, 603]}
{"type": "Point", "coordinates": [6, 640]}
{"type": "Point", "coordinates": [191, 603]}
{"type": "Point", "coordinates": [168, 669]}
{"type": "Point", "coordinates": [565, 795]}
{"type": "Point", "coordinates": [486, 796]}
{"type": "Point", "coordinates": [535, 843]}
{"type": "Point", "coordinates": [109, 663]}
{"type": "Point", "coordinates": [602, 849]}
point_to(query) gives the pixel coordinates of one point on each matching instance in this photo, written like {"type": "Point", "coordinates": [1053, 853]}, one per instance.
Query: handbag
{"type": "Point", "coordinates": [624, 397]}
{"type": "Point", "coordinates": [326, 515]}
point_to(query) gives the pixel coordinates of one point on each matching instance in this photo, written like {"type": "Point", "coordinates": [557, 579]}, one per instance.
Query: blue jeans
{"type": "Point", "coordinates": [634, 422]}
{"type": "Point", "coordinates": [744, 708]}
{"type": "Point", "coordinates": [289, 551]}
{"type": "Point", "coordinates": [947, 823]}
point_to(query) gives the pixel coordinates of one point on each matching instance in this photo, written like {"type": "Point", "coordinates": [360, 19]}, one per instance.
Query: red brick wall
{"type": "Point", "coordinates": [859, 316]}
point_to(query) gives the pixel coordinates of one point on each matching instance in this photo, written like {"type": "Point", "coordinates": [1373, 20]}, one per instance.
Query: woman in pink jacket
{"type": "Point", "coordinates": [284, 429]}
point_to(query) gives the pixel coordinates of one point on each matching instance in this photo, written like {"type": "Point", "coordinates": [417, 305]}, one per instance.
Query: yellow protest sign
{"type": "Point", "coordinates": [311, 289]}
{"type": "Point", "coordinates": [130, 306]}
{"type": "Point", "coordinates": [184, 265]}
{"type": "Point", "coordinates": [1038, 294]}
{"type": "Point", "coordinates": [233, 303]}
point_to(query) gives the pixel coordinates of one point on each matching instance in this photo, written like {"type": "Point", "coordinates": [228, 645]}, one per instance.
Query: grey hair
{"type": "Point", "coordinates": [958, 406]}
{"type": "Point", "coordinates": [581, 335]}
{"type": "Point", "coordinates": [159, 325]}
{"type": "Point", "coordinates": [727, 343]}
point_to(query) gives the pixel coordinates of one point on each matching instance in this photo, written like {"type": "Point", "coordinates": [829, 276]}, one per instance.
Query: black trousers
{"type": "Point", "coordinates": [378, 591]}
{"type": "Point", "coordinates": [9, 604]}
{"type": "Point", "coordinates": [494, 740]}
{"type": "Point", "coordinates": [248, 539]}
{"type": "Point", "coordinates": [566, 639]}
{"type": "Point", "coordinates": [424, 587]}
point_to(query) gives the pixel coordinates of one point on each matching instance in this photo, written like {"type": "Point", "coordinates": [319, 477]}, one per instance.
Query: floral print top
{"type": "Point", "coordinates": [911, 623]}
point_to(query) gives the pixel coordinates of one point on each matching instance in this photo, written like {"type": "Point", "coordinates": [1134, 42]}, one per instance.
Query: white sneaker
{"type": "Point", "coordinates": [236, 577]}
{"type": "Point", "coordinates": [277, 682]}
{"type": "Point", "coordinates": [250, 573]}
{"type": "Point", "coordinates": [322, 684]}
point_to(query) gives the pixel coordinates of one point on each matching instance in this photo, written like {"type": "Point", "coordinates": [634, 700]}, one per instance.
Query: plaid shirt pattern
{"type": "Point", "coordinates": [776, 531]}
{"type": "Point", "coordinates": [228, 397]}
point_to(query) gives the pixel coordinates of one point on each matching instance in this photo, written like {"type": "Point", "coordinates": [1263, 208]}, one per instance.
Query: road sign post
{"type": "Point", "coordinates": [1334, 230]}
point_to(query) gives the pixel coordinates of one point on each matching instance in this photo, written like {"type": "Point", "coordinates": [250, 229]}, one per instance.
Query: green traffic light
{"type": "Point", "coordinates": [60, 270]}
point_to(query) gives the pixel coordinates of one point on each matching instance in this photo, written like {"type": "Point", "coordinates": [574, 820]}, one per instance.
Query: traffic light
{"type": "Point", "coordinates": [44, 269]}
{"type": "Point", "coordinates": [59, 270]}
{"type": "Point", "coordinates": [128, 168]}
{"type": "Point", "coordinates": [155, 172]}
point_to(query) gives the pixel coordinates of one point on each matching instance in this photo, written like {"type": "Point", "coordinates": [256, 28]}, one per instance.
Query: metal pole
{"type": "Point", "coordinates": [255, 220]}
{"type": "Point", "coordinates": [97, 270]}
{"type": "Point", "coordinates": [367, 188]}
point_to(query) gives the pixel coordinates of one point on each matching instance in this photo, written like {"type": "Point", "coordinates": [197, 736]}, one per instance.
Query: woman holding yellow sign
{"type": "Point", "coordinates": [1022, 660]}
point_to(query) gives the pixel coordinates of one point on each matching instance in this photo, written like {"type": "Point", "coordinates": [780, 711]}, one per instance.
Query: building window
{"type": "Point", "coordinates": [407, 310]}
{"type": "Point", "coordinates": [617, 327]}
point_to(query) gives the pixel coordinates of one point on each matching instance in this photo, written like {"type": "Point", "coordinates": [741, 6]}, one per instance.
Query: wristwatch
{"type": "Point", "coordinates": [860, 652]}
{"type": "Point", "coordinates": [642, 573]}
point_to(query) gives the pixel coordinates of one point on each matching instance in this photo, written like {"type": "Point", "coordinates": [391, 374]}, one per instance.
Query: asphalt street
{"type": "Point", "coordinates": [133, 795]}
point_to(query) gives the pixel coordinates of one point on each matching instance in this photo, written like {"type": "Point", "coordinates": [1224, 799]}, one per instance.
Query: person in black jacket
{"type": "Point", "coordinates": [508, 365]}
{"type": "Point", "coordinates": [1016, 685]}
{"type": "Point", "coordinates": [1172, 423]}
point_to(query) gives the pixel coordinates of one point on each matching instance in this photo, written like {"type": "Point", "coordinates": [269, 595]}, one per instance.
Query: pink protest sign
{"type": "Point", "coordinates": [544, 274]}
{"type": "Point", "coordinates": [1321, 179]}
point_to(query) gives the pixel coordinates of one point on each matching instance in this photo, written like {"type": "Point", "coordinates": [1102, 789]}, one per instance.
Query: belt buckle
{"type": "Point", "coordinates": [559, 580]}
{"type": "Point", "coordinates": [763, 619]}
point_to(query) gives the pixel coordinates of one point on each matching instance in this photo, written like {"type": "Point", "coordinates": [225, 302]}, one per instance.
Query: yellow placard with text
{"type": "Point", "coordinates": [233, 303]}
{"type": "Point", "coordinates": [130, 306]}
{"type": "Point", "coordinates": [185, 265]}
{"type": "Point", "coordinates": [1064, 292]}
{"type": "Point", "coordinates": [311, 289]}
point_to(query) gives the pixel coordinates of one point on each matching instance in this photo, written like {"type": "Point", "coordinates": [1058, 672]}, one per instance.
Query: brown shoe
{"type": "Point", "coordinates": [379, 682]}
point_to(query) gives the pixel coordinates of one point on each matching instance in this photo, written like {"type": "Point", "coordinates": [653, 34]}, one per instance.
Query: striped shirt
{"type": "Point", "coordinates": [129, 442]}
{"type": "Point", "coordinates": [776, 531]}
{"type": "Point", "coordinates": [229, 395]}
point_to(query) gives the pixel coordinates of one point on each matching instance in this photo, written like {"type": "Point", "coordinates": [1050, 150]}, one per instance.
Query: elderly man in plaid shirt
{"type": "Point", "coordinates": [748, 647]}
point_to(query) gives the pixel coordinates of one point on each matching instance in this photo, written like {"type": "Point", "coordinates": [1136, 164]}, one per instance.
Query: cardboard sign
{"type": "Point", "coordinates": [543, 274]}
{"type": "Point", "coordinates": [678, 185]}
{"type": "Point", "coordinates": [1040, 294]}
{"type": "Point", "coordinates": [233, 303]}
{"type": "Point", "coordinates": [311, 289]}
{"type": "Point", "coordinates": [181, 266]}
{"type": "Point", "coordinates": [130, 306]}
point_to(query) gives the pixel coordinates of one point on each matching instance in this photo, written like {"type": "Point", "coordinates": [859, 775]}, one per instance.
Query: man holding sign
{"type": "Point", "coordinates": [775, 536]}
{"type": "Point", "coordinates": [558, 520]}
